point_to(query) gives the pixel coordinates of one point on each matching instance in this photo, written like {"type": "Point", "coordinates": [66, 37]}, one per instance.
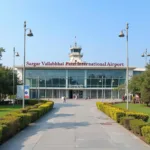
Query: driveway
{"type": "Point", "coordinates": [75, 125]}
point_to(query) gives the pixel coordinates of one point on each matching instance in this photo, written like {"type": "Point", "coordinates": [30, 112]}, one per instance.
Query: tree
{"type": "Point", "coordinates": [145, 87]}
{"type": "Point", "coordinates": [135, 83]}
{"type": "Point", "coordinates": [6, 82]}
{"type": "Point", "coordinates": [141, 84]}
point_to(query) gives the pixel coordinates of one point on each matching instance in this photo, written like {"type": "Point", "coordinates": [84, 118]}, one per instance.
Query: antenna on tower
{"type": "Point", "coordinates": [75, 42]}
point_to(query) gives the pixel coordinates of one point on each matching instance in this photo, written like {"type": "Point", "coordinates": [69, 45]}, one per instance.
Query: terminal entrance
{"type": "Point", "coordinates": [75, 94]}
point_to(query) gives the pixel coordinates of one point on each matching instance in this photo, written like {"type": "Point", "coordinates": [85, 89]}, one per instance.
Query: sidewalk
{"type": "Point", "coordinates": [75, 125]}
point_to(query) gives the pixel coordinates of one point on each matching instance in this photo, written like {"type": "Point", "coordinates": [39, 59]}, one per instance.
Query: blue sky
{"type": "Point", "coordinates": [55, 23]}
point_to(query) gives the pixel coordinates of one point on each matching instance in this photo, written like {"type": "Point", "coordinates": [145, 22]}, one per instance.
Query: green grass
{"type": "Point", "coordinates": [136, 107]}
{"type": "Point", "coordinates": [4, 109]}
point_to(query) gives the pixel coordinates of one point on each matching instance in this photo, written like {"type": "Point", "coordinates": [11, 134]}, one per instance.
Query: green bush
{"type": "Point", "coordinates": [31, 101]}
{"type": "Point", "coordinates": [146, 133]}
{"type": "Point", "coordinates": [0, 133]}
{"type": "Point", "coordinates": [34, 116]}
{"type": "Point", "coordinates": [11, 123]}
{"type": "Point", "coordinates": [138, 115]}
{"type": "Point", "coordinates": [125, 121]}
{"type": "Point", "coordinates": [113, 112]}
{"type": "Point", "coordinates": [136, 125]}
{"type": "Point", "coordinates": [37, 110]}
{"type": "Point", "coordinates": [24, 119]}
{"type": "Point", "coordinates": [4, 132]}
{"type": "Point", "coordinates": [116, 113]}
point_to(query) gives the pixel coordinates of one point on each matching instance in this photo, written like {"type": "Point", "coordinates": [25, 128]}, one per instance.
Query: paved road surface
{"type": "Point", "coordinates": [76, 125]}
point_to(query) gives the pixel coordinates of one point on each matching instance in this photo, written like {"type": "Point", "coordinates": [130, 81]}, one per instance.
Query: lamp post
{"type": "Point", "coordinates": [112, 81]}
{"type": "Point", "coordinates": [24, 82]}
{"type": "Point", "coordinates": [145, 54]}
{"type": "Point", "coordinates": [127, 68]}
{"type": "Point", "coordinates": [102, 87]}
{"type": "Point", "coordinates": [15, 54]}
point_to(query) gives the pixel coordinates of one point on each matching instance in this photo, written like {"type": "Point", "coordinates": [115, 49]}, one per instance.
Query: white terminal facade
{"type": "Point", "coordinates": [76, 78]}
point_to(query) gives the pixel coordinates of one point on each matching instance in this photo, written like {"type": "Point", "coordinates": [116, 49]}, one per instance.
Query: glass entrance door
{"type": "Point", "coordinates": [77, 94]}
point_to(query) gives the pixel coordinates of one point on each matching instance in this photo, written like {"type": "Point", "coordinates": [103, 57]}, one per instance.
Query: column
{"type": "Point", "coordinates": [45, 92]}
{"type": "Point", "coordinates": [85, 78]}
{"type": "Point", "coordinates": [52, 93]}
{"type": "Point", "coordinates": [84, 94]}
{"type": "Point", "coordinates": [66, 78]}
{"type": "Point", "coordinates": [67, 93]}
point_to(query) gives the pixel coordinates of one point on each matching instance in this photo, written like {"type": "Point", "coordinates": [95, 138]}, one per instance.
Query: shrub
{"type": "Point", "coordinates": [31, 101]}
{"type": "Point", "coordinates": [138, 115]}
{"type": "Point", "coordinates": [136, 125]}
{"type": "Point", "coordinates": [34, 116]}
{"type": "Point", "coordinates": [24, 119]}
{"type": "Point", "coordinates": [11, 126]}
{"type": "Point", "coordinates": [125, 121]}
{"type": "Point", "coordinates": [37, 110]}
{"type": "Point", "coordinates": [114, 113]}
{"type": "Point", "coordinates": [11, 123]}
{"type": "Point", "coordinates": [146, 133]}
{"type": "Point", "coordinates": [0, 133]}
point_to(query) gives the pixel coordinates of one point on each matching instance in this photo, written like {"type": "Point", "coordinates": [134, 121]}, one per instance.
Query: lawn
{"type": "Point", "coordinates": [4, 109]}
{"type": "Point", "coordinates": [135, 107]}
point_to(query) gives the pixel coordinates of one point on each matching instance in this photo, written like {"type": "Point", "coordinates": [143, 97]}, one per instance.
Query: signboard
{"type": "Point", "coordinates": [43, 63]}
{"type": "Point", "coordinates": [26, 92]}
{"type": "Point", "coordinates": [19, 92]}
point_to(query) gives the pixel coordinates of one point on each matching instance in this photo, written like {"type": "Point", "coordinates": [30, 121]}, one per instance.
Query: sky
{"type": "Point", "coordinates": [55, 23]}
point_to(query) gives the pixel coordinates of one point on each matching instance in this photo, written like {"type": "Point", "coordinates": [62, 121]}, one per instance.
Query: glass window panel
{"type": "Point", "coordinates": [29, 82]}
{"type": "Point", "coordinates": [55, 82]}
{"type": "Point", "coordinates": [108, 82]}
{"type": "Point", "coordinates": [107, 94]}
{"type": "Point", "coordinates": [41, 82]}
{"type": "Point", "coordinates": [48, 93]}
{"type": "Point", "coordinates": [55, 93]}
{"type": "Point", "coordinates": [88, 82]}
{"type": "Point", "coordinates": [49, 82]}
{"type": "Point", "coordinates": [62, 82]}
{"type": "Point", "coordinates": [93, 94]}
{"type": "Point", "coordinates": [42, 93]}
{"type": "Point", "coordinates": [34, 83]}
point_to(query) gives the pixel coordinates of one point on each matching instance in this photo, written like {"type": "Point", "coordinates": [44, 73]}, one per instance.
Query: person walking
{"type": "Point", "coordinates": [64, 99]}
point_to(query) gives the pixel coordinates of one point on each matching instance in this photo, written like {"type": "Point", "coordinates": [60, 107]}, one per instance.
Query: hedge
{"type": "Point", "coordinates": [146, 133]}
{"type": "Point", "coordinates": [117, 113]}
{"type": "Point", "coordinates": [136, 125]}
{"type": "Point", "coordinates": [30, 101]}
{"type": "Point", "coordinates": [13, 122]}
{"type": "Point", "coordinates": [114, 113]}
{"type": "Point", "coordinates": [138, 115]}
{"type": "Point", "coordinates": [125, 121]}
{"type": "Point", "coordinates": [135, 121]}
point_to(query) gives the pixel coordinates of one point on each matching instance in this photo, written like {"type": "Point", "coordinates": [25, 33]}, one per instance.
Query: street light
{"type": "Point", "coordinates": [127, 68]}
{"type": "Point", "coordinates": [145, 54]}
{"type": "Point", "coordinates": [112, 81]}
{"type": "Point", "coordinates": [15, 54]}
{"type": "Point", "coordinates": [24, 82]}
{"type": "Point", "coordinates": [101, 81]}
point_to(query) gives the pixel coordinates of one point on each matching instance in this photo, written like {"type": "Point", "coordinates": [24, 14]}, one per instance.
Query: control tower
{"type": "Point", "coordinates": [75, 55]}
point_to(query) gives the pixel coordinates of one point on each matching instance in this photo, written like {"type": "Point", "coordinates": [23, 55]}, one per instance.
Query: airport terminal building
{"type": "Point", "coordinates": [76, 79]}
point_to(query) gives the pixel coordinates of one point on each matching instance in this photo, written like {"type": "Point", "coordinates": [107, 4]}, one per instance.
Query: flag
{"type": "Point", "coordinates": [26, 91]}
